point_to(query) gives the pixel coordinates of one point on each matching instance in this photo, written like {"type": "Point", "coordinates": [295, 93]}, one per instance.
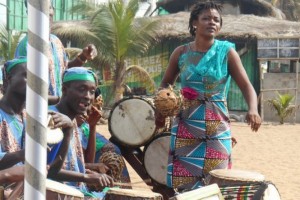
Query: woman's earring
{"type": "Point", "coordinates": [195, 27]}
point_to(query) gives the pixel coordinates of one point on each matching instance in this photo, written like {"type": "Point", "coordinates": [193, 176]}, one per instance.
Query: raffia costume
{"type": "Point", "coordinates": [200, 135]}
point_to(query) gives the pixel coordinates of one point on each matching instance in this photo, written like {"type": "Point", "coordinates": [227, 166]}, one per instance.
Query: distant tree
{"type": "Point", "coordinates": [116, 33]}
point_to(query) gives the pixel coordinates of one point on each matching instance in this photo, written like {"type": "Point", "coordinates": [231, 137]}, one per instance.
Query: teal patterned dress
{"type": "Point", "coordinates": [200, 134]}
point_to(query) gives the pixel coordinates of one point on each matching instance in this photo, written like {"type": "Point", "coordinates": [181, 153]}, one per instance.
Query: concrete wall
{"type": "Point", "coordinates": [278, 81]}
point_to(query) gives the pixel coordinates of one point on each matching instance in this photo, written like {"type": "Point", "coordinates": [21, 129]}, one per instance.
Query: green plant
{"type": "Point", "coordinates": [6, 51]}
{"type": "Point", "coordinates": [283, 106]}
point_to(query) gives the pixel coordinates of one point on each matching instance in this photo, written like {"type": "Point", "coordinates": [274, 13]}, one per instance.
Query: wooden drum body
{"type": "Point", "coordinates": [58, 191]}
{"type": "Point", "coordinates": [156, 158]}
{"type": "Point", "coordinates": [132, 121]}
{"type": "Point", "coordinates": [126, 194]}
{"type": "Point", "coordinates": [243, 185]}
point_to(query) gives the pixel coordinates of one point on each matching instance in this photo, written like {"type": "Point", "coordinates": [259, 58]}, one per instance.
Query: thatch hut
{"type": "Point", "coordinates": [255, 7]}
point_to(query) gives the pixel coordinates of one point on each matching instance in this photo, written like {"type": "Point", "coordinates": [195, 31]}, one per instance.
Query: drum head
{"type": "Point", "coordinates": [237, 175]}
{"type": "Point", "coordinates": [60, 188]}
{"type": "Point", "coordinates": [271, 193]}
{"type": "Point", "coordinates": [156, 158]}
{"type": "Point", "coordinates": [132, 121]}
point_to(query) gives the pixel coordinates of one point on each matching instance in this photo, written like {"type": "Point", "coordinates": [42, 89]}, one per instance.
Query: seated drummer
{"type": "Point", "coordinates": [78, 90]}
{"type": "Point", "coordinates": [12, 116]}
{"type": "Point", "coordinates": [12, 125]}
{"type": "Point", "coordinates": [95, 145]}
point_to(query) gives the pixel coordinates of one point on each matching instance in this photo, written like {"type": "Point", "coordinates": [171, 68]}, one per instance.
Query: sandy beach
{"type": "Point", "coordinates": [273, 151]}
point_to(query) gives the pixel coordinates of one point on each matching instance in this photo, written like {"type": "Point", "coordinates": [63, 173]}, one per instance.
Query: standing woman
{"type": "Point", "coordinates": [200, 135]}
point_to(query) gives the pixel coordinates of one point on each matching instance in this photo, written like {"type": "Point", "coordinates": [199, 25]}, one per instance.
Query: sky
{"type": "Point", "coordinates": [3, 11]}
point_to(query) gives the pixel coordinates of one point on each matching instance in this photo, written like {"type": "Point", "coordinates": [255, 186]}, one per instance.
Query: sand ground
{"type": "Point", "coordinates": [273, 151]}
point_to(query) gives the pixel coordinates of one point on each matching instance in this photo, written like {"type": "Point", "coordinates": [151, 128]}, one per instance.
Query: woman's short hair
{"type": "Point", "coordinates": [198, 9]}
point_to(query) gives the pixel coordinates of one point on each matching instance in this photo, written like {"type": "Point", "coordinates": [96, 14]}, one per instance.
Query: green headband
{"type": "Point", "coordinates": [9, 65]}
{"type": "Point", "coordinates": [78, 74]}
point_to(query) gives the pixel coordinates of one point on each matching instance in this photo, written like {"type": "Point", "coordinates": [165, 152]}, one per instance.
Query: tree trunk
{"type": "Point", "coordinates": [119, 80]}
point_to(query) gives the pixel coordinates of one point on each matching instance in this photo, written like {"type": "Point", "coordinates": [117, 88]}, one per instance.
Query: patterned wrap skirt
{"type": "Point", "coordinates": [200, 142]}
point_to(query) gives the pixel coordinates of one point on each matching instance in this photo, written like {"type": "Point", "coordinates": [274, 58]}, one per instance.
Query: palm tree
{"type": "Point", "coordinates": [282, 104]}
{"type": "Point", "coordinates": [6, 52]}
{"type": "Point", "coordinates": [116, 33]}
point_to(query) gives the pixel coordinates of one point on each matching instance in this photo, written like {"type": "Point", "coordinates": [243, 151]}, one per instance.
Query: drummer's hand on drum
{"type": "Point", "coordinates": [99, 167]}
{"type": "Point", "coordinates": [98, 178]}
{"type": "Point", "coordinates": [253, 119]}
{"type": "Point", "coordinates": [61, 121]}
{"type": "Point", "coordinates": [11, 175]}
{"type": "Point", "coordinates": [160, 121]}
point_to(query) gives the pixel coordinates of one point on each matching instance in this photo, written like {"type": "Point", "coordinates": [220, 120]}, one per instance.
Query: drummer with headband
{"type": "Point", "coordinates": [12, 119]}
{"type": "Point", "coordinates": [78, 90]}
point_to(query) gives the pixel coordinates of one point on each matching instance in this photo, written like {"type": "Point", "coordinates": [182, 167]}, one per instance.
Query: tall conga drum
{"type": "Point", "coordinates": [243, 185]}
{"type": "Point", "coordinates": [156, 157]}
{"type": "Point", "coordinates": [131, 121]}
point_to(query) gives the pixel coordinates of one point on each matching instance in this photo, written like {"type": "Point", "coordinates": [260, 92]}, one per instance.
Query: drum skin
{"type": "Point", "coordinates": [156, 157]}
{"type": "Point", "coordinates": [126, 194]}
{"type": "Point", "coordinates": [234, 176]}
{"type": "Point", "coordinates": [132, 121]}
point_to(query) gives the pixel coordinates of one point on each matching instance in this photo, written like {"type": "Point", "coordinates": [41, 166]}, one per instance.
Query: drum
{"type": "Point", "coordinates": [56, 190]}
{"type": "Point", "coordinates": [126, 194]}
{"type": "Point", "coordinates": [132, 121]}
{"type": "Point", "coordinates": [156, 157]}
{"type": "Point", "coordinates": [210, 192]}
{"type": "Point", "coordinates": [243, 185]}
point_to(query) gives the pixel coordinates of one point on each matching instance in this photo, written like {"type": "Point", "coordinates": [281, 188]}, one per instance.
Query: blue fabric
{"type": "Point", "coordinates": [74, 159]}
{"type": "Point", "coordinates": [12, 134]}
{"type": "Point", "coordinates": [57, 62]}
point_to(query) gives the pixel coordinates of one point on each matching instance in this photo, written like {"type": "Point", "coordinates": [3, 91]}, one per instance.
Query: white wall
{"type": "Point", "coordinates": [3, 11]}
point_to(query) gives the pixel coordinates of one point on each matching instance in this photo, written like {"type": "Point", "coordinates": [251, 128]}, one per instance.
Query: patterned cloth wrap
{"type": "Point", "coordinates": [167, 102]}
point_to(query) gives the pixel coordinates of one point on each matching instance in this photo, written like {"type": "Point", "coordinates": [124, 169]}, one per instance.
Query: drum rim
{"type": "Point", "coordinates": [163, 134]}
{"type": "Point", "coordinates": [68, 188]}
{"type": "Point", "coordinates": [109, 121]}
{"type": "Point", "coordinates": [214, 173]}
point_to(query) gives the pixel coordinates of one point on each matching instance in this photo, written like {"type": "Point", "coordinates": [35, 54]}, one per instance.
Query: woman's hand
{"type": "Point", "coordinates": [254, 120]}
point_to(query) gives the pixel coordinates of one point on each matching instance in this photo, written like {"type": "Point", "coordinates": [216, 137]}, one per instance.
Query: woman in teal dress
{"type": "Point", "coordinates": [200, 134]}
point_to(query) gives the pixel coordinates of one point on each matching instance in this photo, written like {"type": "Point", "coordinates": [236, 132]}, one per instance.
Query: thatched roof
{"type": "Point", "coordinates": [256, 7]}
{"type": "Point", "coordinates": [241, 27]}
{"type": "Point", "coordinates": [237, 26]}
